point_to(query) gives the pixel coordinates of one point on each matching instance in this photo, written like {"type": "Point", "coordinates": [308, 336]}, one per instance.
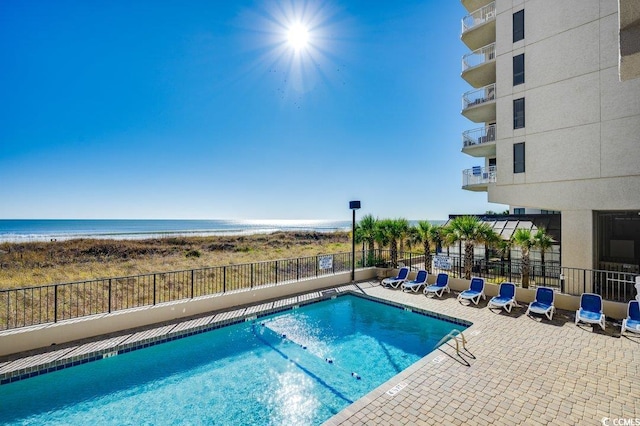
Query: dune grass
{"type": "Point", "coordinates": [42, 263]}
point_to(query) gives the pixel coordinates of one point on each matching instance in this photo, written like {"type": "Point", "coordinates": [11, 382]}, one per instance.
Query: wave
{"type": "Point", "coordinates": [16, 231]}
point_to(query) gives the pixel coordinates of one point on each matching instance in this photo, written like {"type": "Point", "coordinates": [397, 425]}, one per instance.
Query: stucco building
{"type": "Point", "coordinates": [555, 99]}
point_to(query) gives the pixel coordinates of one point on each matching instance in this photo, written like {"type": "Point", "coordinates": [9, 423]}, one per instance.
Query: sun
{"type": "Point", "coordinates": [298, 36]}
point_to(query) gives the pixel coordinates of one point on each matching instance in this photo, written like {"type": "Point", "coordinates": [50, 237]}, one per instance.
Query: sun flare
{"type": "Point", "coordinates": [298, 36]}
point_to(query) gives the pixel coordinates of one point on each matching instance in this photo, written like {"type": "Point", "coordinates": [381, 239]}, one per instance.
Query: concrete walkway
{"type": "Point", "coordinates": [519, 370]}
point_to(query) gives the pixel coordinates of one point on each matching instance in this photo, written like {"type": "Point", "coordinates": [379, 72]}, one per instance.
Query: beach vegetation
{"type": "Point", "coordinates": [41, 263]}
{"type": "Point", "coordinates": [192, 253]}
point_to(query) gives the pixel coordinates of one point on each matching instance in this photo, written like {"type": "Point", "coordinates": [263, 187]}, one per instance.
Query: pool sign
{"type": "Point", "coordinates": [442, 262]}
{"type": "Point", "coordinates": [325, 262]}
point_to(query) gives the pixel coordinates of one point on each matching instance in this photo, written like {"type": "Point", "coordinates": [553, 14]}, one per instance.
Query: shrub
{"type": "Point", "coordinates": [192, 253]}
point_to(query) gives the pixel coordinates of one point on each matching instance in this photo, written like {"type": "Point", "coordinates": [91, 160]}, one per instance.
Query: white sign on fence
{"type": "Point", "coordinates": [442, 262]}
{"type": "Point", "coordinates": [325, 262]}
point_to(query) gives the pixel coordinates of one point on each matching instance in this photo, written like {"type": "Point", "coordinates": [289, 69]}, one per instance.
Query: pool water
{"type": "Point", "coordinates": [297, 367]}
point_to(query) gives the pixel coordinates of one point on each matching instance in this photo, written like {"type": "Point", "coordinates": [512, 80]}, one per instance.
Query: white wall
{"type": "Point", "coordinates": [582, 133]}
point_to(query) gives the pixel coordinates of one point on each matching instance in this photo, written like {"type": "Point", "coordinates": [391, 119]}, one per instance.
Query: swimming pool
{"type": "Point", "coordinates": [300, 366]}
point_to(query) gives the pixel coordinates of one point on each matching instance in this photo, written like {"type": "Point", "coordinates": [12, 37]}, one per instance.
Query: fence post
{"type": "Point", "coordinates": [298, 269]}
{"type": "Point", "coordinates": [584, 280]}
{"type": "Point", "coordinates": [252, 275]}
{"type": "Point", "coordinates": [276, 272]}
{"type": "Point", "coordinates": [316, 266]}
{"type": "Point", "coordinates": [192, 283]}
{"type": "Point", "coordinates": [55, 303]}
{"type": "Point", "coordinates": [224, 279]}
{"type": "Point", "coordinates": [109, 308]}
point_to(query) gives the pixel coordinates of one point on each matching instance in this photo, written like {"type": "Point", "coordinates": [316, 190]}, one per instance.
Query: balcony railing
{"type": "Point", "coordinates": [479, 17]}
{"type": "Point", "coordinates": [479, 176]}
{"type": "Point", "coordinates": [479, 136]}
{"type": "Point", "coordinates": [478, 97]}
{"type": "Point", "coordinates": [479, 57]}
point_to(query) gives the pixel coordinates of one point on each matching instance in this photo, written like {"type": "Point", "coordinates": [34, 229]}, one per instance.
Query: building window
{"type": "Point", "coordinates": [518, 69]}
{"type": "Point", "coordinates": [518, 157]}
{"type": "Point", "coordinates": [518, 113]}
{"type": "Point", "coordinates": [518, 26]}
{"type": "Point", "coordinates": [518, 210]}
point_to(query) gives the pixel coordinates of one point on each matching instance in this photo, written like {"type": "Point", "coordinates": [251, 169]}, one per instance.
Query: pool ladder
{"type": "Point", "coordinates": [456, 335]}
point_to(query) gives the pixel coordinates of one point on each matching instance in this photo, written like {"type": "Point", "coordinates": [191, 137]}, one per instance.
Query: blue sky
{"type": "Point", "coordinates": [204, 110]}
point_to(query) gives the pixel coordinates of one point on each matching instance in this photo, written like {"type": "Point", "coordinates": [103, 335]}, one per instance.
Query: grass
{"type": "Point", "coordinates": [41, 263]}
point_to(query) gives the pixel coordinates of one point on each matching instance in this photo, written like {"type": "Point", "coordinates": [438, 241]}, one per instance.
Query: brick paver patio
{"type": "Point", "coordinates": [519, 370]}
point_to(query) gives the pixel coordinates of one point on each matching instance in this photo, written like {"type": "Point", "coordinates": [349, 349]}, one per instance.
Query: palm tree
{"type": "Point", "coordinates": [381, 239]}
{"type": "Point", "coordinates": [504, 250]}
{"type": "Point", "coordinates": [404, 227]}
{"type": "Point", "coordinates": [524, 239]}
{"type": "Point", "coordinates": [366, 232]}
{"type": "Point", "coordinates": [426, 234]}
{"type": "Point", "coordinates": [471, 231]}
{"type": "Point", "coordinates": [413, 238]}
{"type": "Point", "coordinates": [544, 242]}
{"type": "Point", "coordinates": [391, 231]}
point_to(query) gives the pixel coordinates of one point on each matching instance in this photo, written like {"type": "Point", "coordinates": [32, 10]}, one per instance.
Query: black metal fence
{"type": "Point", "coordinates": [611, 285]}
{"type": "Point", "coordinates": [22, 307]}
{"type": "Point", "coordinates": [28, 306]}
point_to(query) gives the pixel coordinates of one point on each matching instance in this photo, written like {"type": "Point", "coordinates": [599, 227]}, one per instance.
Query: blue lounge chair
{"type": "Point", "coordinates": [415, 284]}
{"type": "Point", "coordinates": [475, 292]}
{"type": "Point", "coordinates": [632, 321]}
{"type": "Point", "coordinates": [441, 285]}
{"type": "Point", "coordinates": [590, 309]}
{"type": "Point", "coordinates": [394, 282]}
{"type": "Point", "coordinates": [506, 297]}
{"type": "Point", "coordinates": [543, 304]}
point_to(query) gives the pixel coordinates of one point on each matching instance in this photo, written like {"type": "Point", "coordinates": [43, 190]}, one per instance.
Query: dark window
{"type": "Point", "coordinates": [518, 113]}
{"type": "Point", "coordinates": [518, 210]}
{"type": "Point", "coordinates": [518, 157]}
{"type": "Point", "coordinates": [518, 69]}
{"type": "Point", "coordinates": [518, 26]}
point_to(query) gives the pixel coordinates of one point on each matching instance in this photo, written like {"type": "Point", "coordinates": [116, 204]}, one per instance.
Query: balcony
{"type": "Point", "coordinates": [478, 178]}
{"type": "Point", "coordinates": [480, 105]}
{"type": "Point", "coordinates": [472, 5]}
{"type": "Point", "coordinates": [479, 27]}
{"type": "Point", "coordinates": [480, 142]}
{"type": "Point", "coordinates": [479, 66]}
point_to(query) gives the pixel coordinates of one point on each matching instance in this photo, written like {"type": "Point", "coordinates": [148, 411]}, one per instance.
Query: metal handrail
{"type": "Point", "coordinates": [479, 17]}
{"type": "Point", "coordinates": [479, 136]}
{"type": "Point", "coordinates": [479, 175]}
{"type": "Point", "coordinates": [456, 335]}
{"type": "Point", "coordinates": [479, 56]}
{"type": "Point", "coordinates": [479, 96]}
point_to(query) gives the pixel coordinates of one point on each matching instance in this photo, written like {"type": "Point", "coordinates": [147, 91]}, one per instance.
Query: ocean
{"type": "Point", "coordinates": [23, 230]}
